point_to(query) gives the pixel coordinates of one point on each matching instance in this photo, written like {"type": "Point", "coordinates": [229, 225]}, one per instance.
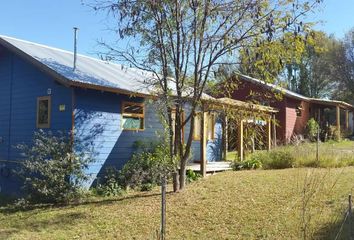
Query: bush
{"type": "Point", "coordinates": [312, 128]}
{"type": "Point", "coordinates": [146, 167]}
{"type": "Point", "coordinates": [109, 185]}
{"type": "Point", "coordinates": [278, 159]}
{"type": "Point", "coordinates": [192, 176]}
{"type": "Point", "coordinates": [253, 161]}
{"type": "Point", "coordinates": [52, 171]}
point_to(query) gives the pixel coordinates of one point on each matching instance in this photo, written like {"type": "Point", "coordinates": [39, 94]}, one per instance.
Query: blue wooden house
{"type": "Point", "coordinates": [106, 102]}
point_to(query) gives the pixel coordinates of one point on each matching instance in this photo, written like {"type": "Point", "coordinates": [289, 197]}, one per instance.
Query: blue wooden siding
{"type": "Point", "coordinates": [21, 85]}
{"type": "Point", "coordinates": [98, 119]}
{"type": "Point", "coordinates": [5, 90]}
{"type": "Point", "coordinates": [213, 146]}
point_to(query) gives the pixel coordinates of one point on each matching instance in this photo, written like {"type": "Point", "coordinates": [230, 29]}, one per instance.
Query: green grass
{"type": "Point", "coordinates": [331, 154]}
{"type": "Point", "coordinates": [231, 205]}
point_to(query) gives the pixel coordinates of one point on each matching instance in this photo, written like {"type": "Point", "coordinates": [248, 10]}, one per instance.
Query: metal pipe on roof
{"type": "Point", "coordinates": [75, 47]}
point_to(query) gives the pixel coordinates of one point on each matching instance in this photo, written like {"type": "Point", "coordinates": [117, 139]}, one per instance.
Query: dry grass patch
{"type": "Point", "coordinates": [231, 205]}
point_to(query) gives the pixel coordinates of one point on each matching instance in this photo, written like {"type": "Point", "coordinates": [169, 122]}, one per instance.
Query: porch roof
{"type": "Point", "coordinates": [232, 103]}
{"type": "Point", "coordinates": [332, 103]}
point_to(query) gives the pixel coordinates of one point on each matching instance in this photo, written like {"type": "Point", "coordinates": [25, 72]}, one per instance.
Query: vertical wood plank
{"type": "Point", "coordinates": [269, 133]}
{"type": "Point", "coordinates": [338, 120]}
{"type": "Point", "coordinates": [225, 138]}
{"type": "Point", "coordinates": [346, 119]}
{"type": "Point", "coordinates": [274, 131]}
{"type": "Point", "coordinates": [240, 149]}
{"type": "Point", "coordinates": [203, 143]}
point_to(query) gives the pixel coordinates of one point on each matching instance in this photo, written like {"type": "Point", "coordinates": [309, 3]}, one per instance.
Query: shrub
{"type": "Point", "coordinates": [109, 184]}
{"type": "Point", "coordinates": [278, 159]}
{"type": "Point", "coordinates": [312, 128]}
{"type": "Point", "coordinates": [253, 161]}
{"type": "Point", "coordinates": [192, 176]}
{"type": "Point", "coordinates": [52, 171]}
{"type": "Point", "coordinates": [146, 167]}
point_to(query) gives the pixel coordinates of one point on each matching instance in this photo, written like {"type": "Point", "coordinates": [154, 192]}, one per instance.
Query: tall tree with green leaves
{"type": "Point", "coordinates": [187, 40]}
{"type": "Point", "coordinates": [312, 74]}
{"type": "Point", "coordinates": [344, 69]}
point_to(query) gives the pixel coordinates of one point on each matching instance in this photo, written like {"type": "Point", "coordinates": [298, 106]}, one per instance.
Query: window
{"type": "Point", "coordinates": [197, 126]}
{"type": "Point", "coordinates": [43, 112]}
{"type": "Point", "coordinates": [133, 116]}
{"type": "Point", "coordinates": [210, 126]}
{"type": "Point", "coordinates": [298, 111]}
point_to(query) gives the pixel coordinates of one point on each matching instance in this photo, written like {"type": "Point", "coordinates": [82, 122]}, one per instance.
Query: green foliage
{"type": "Point", "coordinates": [312, 128]}
{"type": "Point", "coordinates": [52, 171]}
{"type": "Point", "coordinates": [278, 159]}
{"type": "Point", "coordinates": [266, 60]}
{"type": "Point", "coordinates": [146, 167]}
{"type": "Point", "coordinates": [252, 162]}
{"type": "Point", "coordinates": [192, 176]}
{"type": "Point", "coordinates": [275, 159]}
{"type": "Point", "coordinates": [109, 185]}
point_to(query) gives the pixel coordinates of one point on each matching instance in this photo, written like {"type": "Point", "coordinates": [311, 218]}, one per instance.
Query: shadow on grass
{"type": "Point", "coordinates": [99, 201]}
{"type": "Point", "coordinates": [331, 230]}
{"type": "Point", "coordinates": [28, 224]}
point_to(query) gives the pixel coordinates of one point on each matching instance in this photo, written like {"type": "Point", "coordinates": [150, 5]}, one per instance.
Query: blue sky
{"type": "Point", "coordinates": [51, 22]}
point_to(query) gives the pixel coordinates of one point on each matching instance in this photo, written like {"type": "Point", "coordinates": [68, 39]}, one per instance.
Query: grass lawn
{"type": "Point", "coordinates": [331, 154]}
{"type": "Point", "coordinates": [257, 204]}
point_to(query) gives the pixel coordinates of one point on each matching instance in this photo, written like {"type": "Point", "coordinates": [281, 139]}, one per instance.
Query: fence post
{"type": "Point", "coordinates": [163, 208]}
{"type": "Point", "coordinates": [350, 217]}
{"type": "Point", "coordinates": [317, 144]}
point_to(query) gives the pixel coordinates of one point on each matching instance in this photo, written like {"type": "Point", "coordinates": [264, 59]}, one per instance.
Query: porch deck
{"type": "Point", "coordinates": [211, 167]}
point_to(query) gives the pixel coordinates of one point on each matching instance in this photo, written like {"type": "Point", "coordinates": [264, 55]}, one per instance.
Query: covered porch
{"type": "Point", "coordinates": [333, 113]}
{"type": "Point", "coordinates": [234, 118]}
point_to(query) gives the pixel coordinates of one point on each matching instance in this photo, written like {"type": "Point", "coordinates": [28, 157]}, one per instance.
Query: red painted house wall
{"type": "Point", "coordinates": [289, 123]}
{"type": "Point", "coordinates": [296, 125]}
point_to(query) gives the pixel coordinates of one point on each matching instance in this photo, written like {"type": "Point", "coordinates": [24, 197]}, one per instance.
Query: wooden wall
{"type": "Point", "coordinates": [21, 84]}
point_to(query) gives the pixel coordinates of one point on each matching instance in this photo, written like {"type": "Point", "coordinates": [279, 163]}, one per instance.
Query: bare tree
{"type": "Point", "coordinates": [187, 40]}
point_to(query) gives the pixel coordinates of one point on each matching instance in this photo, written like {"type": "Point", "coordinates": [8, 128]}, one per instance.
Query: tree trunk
{"type": "Point", "coordinates": [182, 175]}
{"type": "Point", "coordinates": [175, 182]}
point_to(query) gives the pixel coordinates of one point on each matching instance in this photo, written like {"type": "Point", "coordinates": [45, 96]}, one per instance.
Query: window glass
{"type": "Point", "coordinates": [197, 126]}
{"type": "Point", "coordinates": [211, 125]}
{"type": "Point", "coordinates": [133, 116]}
{"type": "Point", "coordinates": [43, 112]}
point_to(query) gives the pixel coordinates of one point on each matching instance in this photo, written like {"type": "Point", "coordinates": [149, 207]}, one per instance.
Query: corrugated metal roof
{"type": "Point", "coordinates": [291, 94]}
{"type": "Point", "coordinates": [88, 70]}
{"type": "Point", "coordinates": [285, 91]}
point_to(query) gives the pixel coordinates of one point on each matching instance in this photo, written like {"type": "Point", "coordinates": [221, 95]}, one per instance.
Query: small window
{"type": "Point", "coordinates": [133, 116]}
{"type": "Point", "coordinates": [197, 127]}
{"type": "Point", "coordinates": [298, 111]}
{"type": "Point", "coordinates": [43, 112]}
{"type": "Point", "coordinates": [210, 126]}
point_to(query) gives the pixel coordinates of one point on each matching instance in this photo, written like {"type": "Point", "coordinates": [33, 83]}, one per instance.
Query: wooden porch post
{"type": "Point", "coordinates": [353, 122]}
{"type": "Point", "coordinates": [346, 119]}
{"type": "Point", "coordinates": [225, 138]}
{"type": "Point", "coordinates": [269, 133]}
{"type": "Point", "coordinates": [203, 143]}
{"type": "Point", "coordinates": [240, 140]}
{"type": "Point", "coordinates": [338, 120]}
{"type": "Point", "coordinates": [274, 131]}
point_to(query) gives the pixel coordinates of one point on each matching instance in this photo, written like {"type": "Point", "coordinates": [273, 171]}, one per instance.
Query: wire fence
{"type": "Point", "coordinates": [347, 220]}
